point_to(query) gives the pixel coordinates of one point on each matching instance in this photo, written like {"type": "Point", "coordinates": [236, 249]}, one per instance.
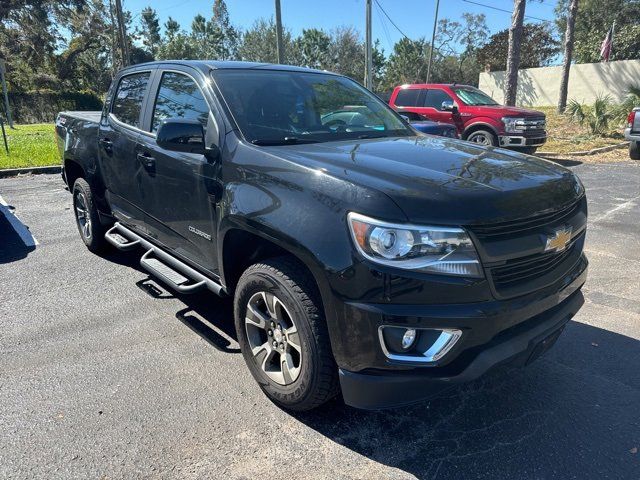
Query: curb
{"type": "Point", "coordinates": [584, 153]}
{"type": "Point", "coordinates": [13, 172]}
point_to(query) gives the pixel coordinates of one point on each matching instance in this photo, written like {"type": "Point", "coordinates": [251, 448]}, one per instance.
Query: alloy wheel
{"type": "Point", "coordinates": [273, 338]}
{"type": "Point", "coordinates": [481, 138]}
{"type": "Point", "coordinates": [82, 215]}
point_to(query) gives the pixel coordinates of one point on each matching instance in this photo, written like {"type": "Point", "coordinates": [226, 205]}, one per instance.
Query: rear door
{"type": "Point", "coordinates": [185, 186]}
{"type": "Point", "coordinates": [118, 139]}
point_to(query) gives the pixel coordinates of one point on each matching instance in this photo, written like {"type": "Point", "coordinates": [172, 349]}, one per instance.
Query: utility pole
{"type": "Point", "coordinates": [280, 45]}
{"type": "Point", "coordinates": [122, 31]}
{"type": "Point", "coordinates": [5, 94]}
{"type": "Point", "coordinates": [433, 39]}
{"type": "Point", "coordinates": [368, 60]}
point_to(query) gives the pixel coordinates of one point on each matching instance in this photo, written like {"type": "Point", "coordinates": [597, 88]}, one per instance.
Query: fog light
{"type": "Point", "coordinates": [408, 338]}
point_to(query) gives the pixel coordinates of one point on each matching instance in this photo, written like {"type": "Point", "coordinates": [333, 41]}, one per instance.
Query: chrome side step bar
{"type": "Point", "coordinates": [175, 273]}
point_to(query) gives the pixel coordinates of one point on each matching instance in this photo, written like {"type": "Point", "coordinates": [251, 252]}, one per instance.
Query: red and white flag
{"type": "Point", "coordinates": [607, 45]}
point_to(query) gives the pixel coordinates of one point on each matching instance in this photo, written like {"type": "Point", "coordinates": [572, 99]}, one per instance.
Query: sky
{"type": "Point", "coordinates": [413, 17]}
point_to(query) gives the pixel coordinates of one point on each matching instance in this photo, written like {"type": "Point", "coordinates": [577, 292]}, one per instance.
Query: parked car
{"type": "Point", "coordinates": [422, 124]}
{"type": "Point", "coordinates": [632, 133]}
{"type": "Point", "coordinates": [364, 258]}
{"type": "Point", "coordinates": [478, 117]}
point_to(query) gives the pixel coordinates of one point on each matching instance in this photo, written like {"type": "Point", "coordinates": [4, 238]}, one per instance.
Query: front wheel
{"type": "Point", "coordinates": [283, 335]}
{"type": "Point", "coordinates": [483, 137]}
{"type": "Point", "coordinates": [87, 218]}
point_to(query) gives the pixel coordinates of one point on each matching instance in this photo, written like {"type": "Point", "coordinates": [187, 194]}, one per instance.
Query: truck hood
{"type": "Point", "coordinates": [441, 180]}
{"type": "Point", "coordinates": [499, 111]}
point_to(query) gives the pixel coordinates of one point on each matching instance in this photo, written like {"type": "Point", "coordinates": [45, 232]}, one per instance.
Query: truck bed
{"type": "Point", "coordinates": [88, 116]}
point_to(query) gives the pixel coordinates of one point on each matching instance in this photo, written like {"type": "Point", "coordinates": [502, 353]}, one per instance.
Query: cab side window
{"type": "Point", "coordinates": [435, 97]}
{"type": "Point", "coordinates": [179, 97]}
{"type": "Point", "coordinates": [127, 102]}
{"type": "Point", "coordinates": [408, 97]}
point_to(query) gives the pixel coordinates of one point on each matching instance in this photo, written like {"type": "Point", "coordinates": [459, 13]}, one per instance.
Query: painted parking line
{"type": "Point", "coordinates": [23, 232]}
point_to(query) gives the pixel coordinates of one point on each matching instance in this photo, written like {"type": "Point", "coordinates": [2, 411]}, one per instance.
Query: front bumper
{"type": "Point", "coordinates": [494, 332]}
{"type": "Point", "coordinates": [521, 141]}
{"type": "Point", "coordinates": [520, 346]}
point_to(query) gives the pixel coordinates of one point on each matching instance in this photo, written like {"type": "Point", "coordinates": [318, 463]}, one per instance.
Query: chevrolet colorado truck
{"type": "Point", "coordinates": [477, 116]}
{"type": "Point", "coordinates": [365, 259]}
{"type": "Point", "coordinates": [632, 133]}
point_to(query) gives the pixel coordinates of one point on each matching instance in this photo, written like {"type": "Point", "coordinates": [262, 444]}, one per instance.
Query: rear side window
{"type": "Point", "coordinates": [127, 102]}
{"type": "Point", "coordinates": [179, 97]}
{"type": "Point", "coordinates": [407, 97]}
{"type": "Point", "coordinates": [434, 98]}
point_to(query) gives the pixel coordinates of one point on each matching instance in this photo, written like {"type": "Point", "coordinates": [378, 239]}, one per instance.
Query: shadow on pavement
{"type": "Point", "coordinates": [12, 247]}
{"type": "Point", "coordinates": [571, 414]}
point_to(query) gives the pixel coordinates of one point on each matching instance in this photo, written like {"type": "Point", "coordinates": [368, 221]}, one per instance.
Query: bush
{"type": "Point", "coordinates": [42, 106]}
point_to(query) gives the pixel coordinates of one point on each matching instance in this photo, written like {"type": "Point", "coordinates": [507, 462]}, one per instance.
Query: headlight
{"type": "Point", "coordinates": [444, 250]}
{"type": "Point", "coordinates": [512, 124]}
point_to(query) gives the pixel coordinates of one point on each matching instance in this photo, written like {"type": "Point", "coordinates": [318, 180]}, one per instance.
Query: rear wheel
{"type": "Point", "coordinates": [283, 335]}
{"type": "Point", "coordinates": [634, 150]}
{"type": "Point", "coordinates": [87, 218]}
{"type": "Point", "coordinates": [483, 137]}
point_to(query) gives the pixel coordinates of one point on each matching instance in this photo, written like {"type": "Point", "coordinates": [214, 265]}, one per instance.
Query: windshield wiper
{"type": "Point", "coordinates": [283, 141]}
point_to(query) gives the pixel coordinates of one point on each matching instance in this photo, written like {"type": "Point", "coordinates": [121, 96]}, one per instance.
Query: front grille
{"type": "Point", "coordinates": [524, 224]}
{"type": "Point", "coordinates": [522, 270]}
{"type": "Point", "coordinates": [532, 124]}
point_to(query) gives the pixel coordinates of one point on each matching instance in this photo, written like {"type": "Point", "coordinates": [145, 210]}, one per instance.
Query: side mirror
{"type": "Point", "coordinates": [179, 135]}
{"type": "Point", "coordinates": [406, 117]}
{"type": "Point", "coordinates": [449, 106]}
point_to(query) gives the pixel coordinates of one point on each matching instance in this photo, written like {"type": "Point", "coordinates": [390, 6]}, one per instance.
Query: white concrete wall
{"type": "Point", "coordinates": [541, 86]}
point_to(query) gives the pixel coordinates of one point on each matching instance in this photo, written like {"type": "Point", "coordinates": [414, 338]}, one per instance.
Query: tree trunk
{"type": "Point", "coordinates": [568, 53]}
{"type": "Point", "coordinates": [513, 55]}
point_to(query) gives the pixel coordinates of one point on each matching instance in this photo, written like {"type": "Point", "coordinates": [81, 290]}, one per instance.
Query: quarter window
{"type": "Point", "coordinates": [179, 97]}
{"type": "Point", "coordinates": [434, 98]}
{"type": "Point", "coordinates": [127, 102]}
{"type": "Point", "coordinates": [407, 97]}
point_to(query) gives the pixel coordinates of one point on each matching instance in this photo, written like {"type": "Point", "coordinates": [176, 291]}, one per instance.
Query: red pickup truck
{"type": "Point", "coordinates": [478, 117]}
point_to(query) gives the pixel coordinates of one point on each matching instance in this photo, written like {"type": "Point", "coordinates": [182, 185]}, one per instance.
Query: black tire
{"type": "Point", "coordinates": [291, 285]}
{"type": "Point", "coordinates": [634, 150]}
{"type": "Point", "coordinates": [87, 219]}
{"type": "Point", "coordinates": [483, 137]}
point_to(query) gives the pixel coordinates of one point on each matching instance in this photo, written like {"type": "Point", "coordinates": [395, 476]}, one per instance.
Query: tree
{"type": "Point", "coordinates": [593, 21]}
{"type": "Point", "coordinates": [228, 48]}
{"type": "Point", "coordinates": [176, 45]}
{"type": "Point", "coordinates": [461, 67]}
{"type": "Point", "coordinates": [513, 54]}
{"type": "Point", "coordinates": [538, 48]}
{"type": "Point", "coordinates": [313, 47]}
{"type": "Point", "coordinates": [149, 31]}
{"type": "Point", "coordinates": [568, 53]}
{"type": "Point", "coordinates": [407, 63]}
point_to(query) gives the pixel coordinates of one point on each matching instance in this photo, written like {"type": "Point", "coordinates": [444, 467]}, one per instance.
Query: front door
{"type": "Point", "coordinates": [432, 107]}
{"type": "Point", "coordinates": [118, 143]}
{"type": "Point", "coordinates": [185, 186]}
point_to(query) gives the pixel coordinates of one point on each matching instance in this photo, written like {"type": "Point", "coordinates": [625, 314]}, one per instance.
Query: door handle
{"type": "Point", "coordinates": [106, 144]}
{"type": "Point", "coordinates": [146, 160]}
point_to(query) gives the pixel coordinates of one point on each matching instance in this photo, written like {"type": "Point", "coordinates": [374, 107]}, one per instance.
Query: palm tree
{"type": "Point", "coordinates": [568, 53]}
{"type": "Point", "coordinates": [513, 53]}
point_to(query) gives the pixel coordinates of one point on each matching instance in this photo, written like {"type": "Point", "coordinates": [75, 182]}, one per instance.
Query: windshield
{"type": "Point", "coordinates": [473, 96]}
{"type": "Point", "coordinates": [274, 107]}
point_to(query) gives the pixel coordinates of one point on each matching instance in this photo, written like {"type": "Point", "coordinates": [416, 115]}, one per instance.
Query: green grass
{"type": "Point", "coordinates": [29, 146]}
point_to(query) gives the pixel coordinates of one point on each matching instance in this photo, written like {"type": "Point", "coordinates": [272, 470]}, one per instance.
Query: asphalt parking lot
{"type": "Point", "coordinates": [106, 374]}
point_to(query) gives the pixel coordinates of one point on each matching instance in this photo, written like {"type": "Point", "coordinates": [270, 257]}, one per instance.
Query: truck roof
{"type": "Point", "coordinates": [425, 85]}
{"type": "Point", "coordinates": [228, 65]}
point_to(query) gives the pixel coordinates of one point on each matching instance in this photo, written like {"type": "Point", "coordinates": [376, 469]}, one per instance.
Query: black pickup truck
{"type": "Point", "coordinates": [367, 259]}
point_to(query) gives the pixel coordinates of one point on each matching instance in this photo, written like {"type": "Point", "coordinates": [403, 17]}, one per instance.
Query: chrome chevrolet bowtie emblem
{"type": "Point", "coordinates": [559, 240]}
